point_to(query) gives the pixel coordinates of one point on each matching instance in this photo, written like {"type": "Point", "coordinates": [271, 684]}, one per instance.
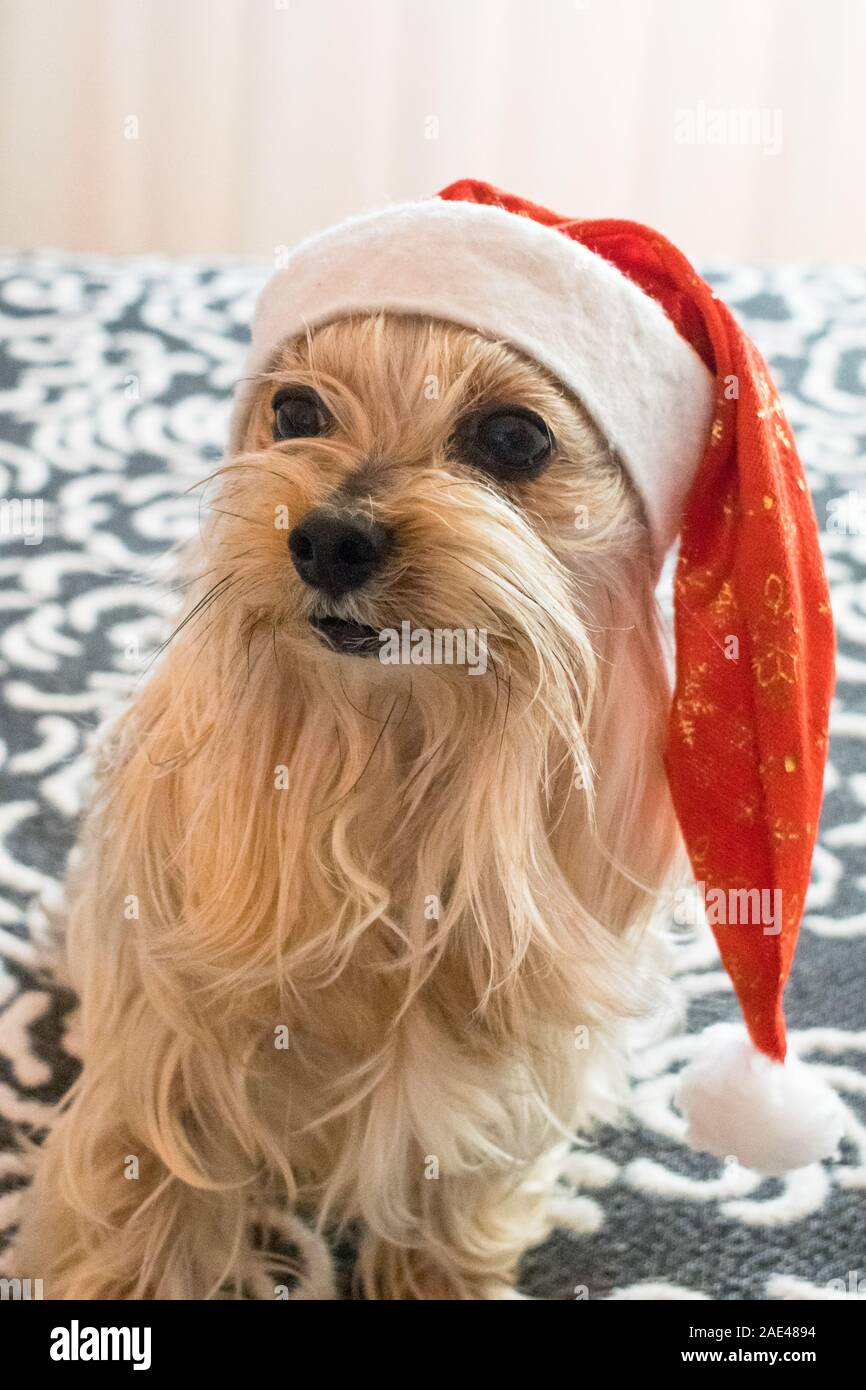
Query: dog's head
{"type": "Point", "coordinates": [412, 496]}
{"type": "Point", "coordinates": [397, 476]}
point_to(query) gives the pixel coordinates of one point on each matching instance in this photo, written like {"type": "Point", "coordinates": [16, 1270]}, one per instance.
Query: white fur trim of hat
{"type": "Point", "coordinates": [512, 280]}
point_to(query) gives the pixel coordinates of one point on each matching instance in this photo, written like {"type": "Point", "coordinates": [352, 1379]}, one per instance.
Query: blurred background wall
{"type": "Point", "coordinates": [184, 126]}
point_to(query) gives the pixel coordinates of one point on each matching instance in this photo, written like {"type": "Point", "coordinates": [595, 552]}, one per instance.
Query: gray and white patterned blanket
{"type": "Point", "coordinates": [114, 387]}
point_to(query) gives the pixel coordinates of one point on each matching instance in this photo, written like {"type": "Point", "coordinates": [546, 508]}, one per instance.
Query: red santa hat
{"type": "Point", "coordinates": [684, 398]}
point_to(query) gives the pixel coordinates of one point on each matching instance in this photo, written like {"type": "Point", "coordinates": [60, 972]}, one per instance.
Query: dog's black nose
{"type": "Point", "coordinates": [337, 553]}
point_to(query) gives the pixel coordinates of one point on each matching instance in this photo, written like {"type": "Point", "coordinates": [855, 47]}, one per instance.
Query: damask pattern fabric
{"type": "Point", "coordinates": [115, 378]}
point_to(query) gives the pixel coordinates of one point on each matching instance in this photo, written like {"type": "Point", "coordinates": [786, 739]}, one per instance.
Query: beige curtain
{"type": "Point", "coordinates": [185, 126]}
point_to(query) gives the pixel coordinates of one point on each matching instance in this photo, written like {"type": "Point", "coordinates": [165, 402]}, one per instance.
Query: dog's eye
{"type": "Point", "coordinates": [509, 442]}
{"type": "Point", "coordinates": [299, 414]}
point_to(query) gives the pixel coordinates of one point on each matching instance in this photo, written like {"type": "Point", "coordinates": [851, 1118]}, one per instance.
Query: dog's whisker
{"type": "Point", "coordinates": [190, 617]}
{"type": "Point", "coordinates": [251, 521]}
{"type": "Point", "coordinates": [372, 754]}
{"type": "Point", "coordinates": [363, 713]}
{"type": "Point", "coordinates": [239, 466]}
{"type": "Point", "coordinates": [507, 711]}
{"type": "Point", "coordinates": [274, 644]}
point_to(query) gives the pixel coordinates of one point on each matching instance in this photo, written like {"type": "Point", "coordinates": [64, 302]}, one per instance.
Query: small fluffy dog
{"type": "Point", "coordinates": [353, 935]}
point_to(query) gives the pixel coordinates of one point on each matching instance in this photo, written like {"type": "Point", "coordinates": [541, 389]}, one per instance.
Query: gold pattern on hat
{"type": "Point", "coordinates": [693, 701]}
{"type": "Point", "coordinates": [784, 830]}
{"type": "Point", "coordinates": [724, 606]}
{"type": "Point", "coordinates": [774, 664]}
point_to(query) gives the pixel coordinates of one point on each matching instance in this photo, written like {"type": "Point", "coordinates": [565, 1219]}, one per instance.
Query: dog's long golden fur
{"type": "Point", "coordinates": [424, 882]}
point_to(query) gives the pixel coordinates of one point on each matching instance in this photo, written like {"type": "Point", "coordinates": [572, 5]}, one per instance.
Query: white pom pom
{"type": "Point", "coordinates": [770, 1116]}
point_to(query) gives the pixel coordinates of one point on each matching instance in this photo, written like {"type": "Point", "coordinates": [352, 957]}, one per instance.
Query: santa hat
{"type": "Point", "coordinates": [684, 398]}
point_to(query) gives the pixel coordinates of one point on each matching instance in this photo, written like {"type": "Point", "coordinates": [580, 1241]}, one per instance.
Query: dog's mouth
{"type": "Point", "coordinates": [342, 635]}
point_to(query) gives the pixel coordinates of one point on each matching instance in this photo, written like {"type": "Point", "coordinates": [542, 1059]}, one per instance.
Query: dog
{"type": "Point", "coordinates": [363, 936]}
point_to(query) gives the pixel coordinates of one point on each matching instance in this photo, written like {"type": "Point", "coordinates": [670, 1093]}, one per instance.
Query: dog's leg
{"type": "Point", "coordinates": [150, 1238]}
{"type": "Point", "coordinates": [107, 1218]}
{"type": "Point", "coordinates": [474, 1236]}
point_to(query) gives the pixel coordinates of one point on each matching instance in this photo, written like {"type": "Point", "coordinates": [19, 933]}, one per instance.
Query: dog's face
{"type": "Point", "coordinates": [402, 476]}
{"type": "Point", "coordinates": [397, 471]}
